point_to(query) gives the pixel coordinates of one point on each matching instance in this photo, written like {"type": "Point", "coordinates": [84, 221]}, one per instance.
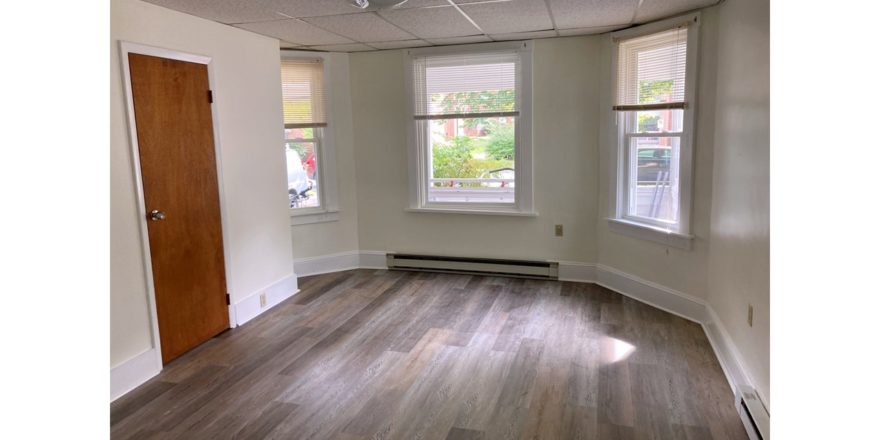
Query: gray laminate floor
{"type": "Point", "coordinates": [376, 354]}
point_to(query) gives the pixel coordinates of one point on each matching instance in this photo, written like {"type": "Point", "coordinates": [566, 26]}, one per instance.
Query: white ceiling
{"type": "Point", "coordinates": [335, 25]}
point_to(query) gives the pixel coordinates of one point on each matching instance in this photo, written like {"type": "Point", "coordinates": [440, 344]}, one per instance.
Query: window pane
{"type": "Point", "coordinates": [653, 178]}
{"type": "Point", "coordinates": [302, 171]}
{"type": "Point", "coordinates": [471, 160]}
{"type": "Point", "coordinates": [657, 121]}
{"type": "Point", "coordinates": [466, 83]}
{"type": "Point", "coordinates": [651, 69]}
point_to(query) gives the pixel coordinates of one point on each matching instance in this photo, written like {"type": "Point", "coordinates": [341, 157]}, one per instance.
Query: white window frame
{"type": "Point", "coordinates": [418, 149]}
{"type": "Point", "coordinates": [678, 234]}
{"type": "Point", "coordinates": [325, 146]}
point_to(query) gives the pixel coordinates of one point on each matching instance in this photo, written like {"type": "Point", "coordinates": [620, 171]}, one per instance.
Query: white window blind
{"type": "Point", "coordinates": [651, 71]}
{"type": "Point", "coordinates": [302, 89]}
{"type": "Point", "coordinates": [466, 85]}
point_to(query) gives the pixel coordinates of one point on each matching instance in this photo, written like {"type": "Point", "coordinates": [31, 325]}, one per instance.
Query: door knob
{"type": "Point", "coordinates": [156, 215]}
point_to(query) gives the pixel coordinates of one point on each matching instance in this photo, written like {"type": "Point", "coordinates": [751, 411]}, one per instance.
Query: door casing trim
{"type": "Point", "coordinates": [125, 48]}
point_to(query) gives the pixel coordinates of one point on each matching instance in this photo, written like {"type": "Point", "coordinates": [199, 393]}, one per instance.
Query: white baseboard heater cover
{"type": "Point", "coordinates": [546, 270]}
{"type": "Point", "coordinates": [753, 413]}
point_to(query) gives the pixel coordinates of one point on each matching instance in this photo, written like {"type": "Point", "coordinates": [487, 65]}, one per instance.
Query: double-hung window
{"type": "Point", "coordinates": [471, 129]}
{"type": "Point", "coordinates": [305, 125]}
{"type": "Point", "coordinates": [654, 114]}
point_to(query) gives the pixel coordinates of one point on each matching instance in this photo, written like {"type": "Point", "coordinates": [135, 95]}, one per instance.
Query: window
{"type": "Point", "coordinates": [305, 125]}
{"type": "Point", "coordinates": [654, 108]}
{"type": "Point", "coordinates": [472, 129]}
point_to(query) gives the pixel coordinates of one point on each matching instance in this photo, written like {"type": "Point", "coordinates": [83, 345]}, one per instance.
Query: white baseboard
{"type": "Point", "coordinates": [727, 353]}
{"type": "Point", "coordinates": [577, 272]}
{"type": "Point", "coordinates": [661, 297]}
{"type": "Point", "coordinates": [373, 260]}
{"type": "Point", "coordinates": [327, 263]}
{"type": "Point", "coordinates": [339, 262]}
{"type": "Point", "coordinates": [133, 372]}
{"type": "Point", "coordinates": [249, 308]}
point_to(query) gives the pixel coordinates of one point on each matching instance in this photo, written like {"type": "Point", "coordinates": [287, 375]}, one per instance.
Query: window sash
{"type": "Point", "coordinates": [627, 203]}
{"type": "Point", "coordinates": [478, 72]}
{"type": "Point", "coordinates": [303, 94]}
{"type": "Point", "coordinates": [423, 132]}
{"type": "Point", "coordinates": [319, 175]}
{"type": "Point", "coordinates": [638, 60]}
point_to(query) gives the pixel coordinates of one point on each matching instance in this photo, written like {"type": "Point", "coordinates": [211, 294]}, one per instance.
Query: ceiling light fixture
{"type": "Point", "coordinates": [377, 4]}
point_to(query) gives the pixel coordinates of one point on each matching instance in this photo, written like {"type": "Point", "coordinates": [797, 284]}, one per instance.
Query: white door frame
{"type": "Point", "coordinates": [126, 48]}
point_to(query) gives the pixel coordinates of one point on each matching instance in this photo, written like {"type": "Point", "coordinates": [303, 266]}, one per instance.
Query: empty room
{"type": "Point", "coordinates": [439, 219]}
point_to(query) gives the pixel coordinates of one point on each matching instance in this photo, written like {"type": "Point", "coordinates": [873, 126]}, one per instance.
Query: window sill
{"type": "Point", "coordinates": [308, 218]}
{"type": "Point", "coordinates": [476, 211]}
{"type": "Point", "coordinates": [651, 233]}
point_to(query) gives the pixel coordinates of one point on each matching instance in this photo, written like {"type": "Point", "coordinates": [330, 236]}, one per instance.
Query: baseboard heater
{"type": "Point", "coordinates": [546, 270]}
{"type": "Point", "coordinates": [753, 413]}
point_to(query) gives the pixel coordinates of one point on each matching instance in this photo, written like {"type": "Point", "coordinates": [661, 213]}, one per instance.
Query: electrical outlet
{"type": "Point", "coordinates": [263, 300]}
{"type": "Point", "coordinates": [751, 313]}
{"type": "Point", "coordinates": [559, 230]}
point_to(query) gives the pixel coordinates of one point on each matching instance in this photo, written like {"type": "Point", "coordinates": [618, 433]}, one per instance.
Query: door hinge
{"type": "Point", "coordinates": [227, 299]}
{"type": "Point", "coordinates": [210, 96]}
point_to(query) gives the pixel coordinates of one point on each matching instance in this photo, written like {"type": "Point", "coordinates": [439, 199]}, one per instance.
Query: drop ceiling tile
{"type": "Point", "coordinates": [590, 30]}
{"type": "Point", "coordinates": [657, 9]}
{"type": "Point", "coordinates": [295, 31]}
{"type": "Point", "coordinates": [523, 35]}
{"type": "Point", "coordinates": [592, 13]}
{"type": "Point", "coordinates": [360, 27]}
{"type": "Point", "coordinates": [460, 40]}
{"type": "Point", "coordinates": [313, 8]}
{"type": "Point", "coordinates": [509, 17]}
{"type": "Point", "coordinates": [287, 45]}
{"type": "Point", "coordinates": [431, 22]}
{"type": "Point", "coordinates": [224, 11]}
{"type": "Point", "coordinates": [357, 47]}
{"type": "Point", "coordinates": [399, 44]}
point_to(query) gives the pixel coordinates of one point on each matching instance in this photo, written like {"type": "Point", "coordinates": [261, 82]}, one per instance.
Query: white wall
{"type": "Point", "coordinates": [318, 239]}
{"type": "Point", "coordinates": [565, 127]}
{"type": "Point", "coordinates": [739, 258]}
{"type": "Point", "coordinates": [247, 92]}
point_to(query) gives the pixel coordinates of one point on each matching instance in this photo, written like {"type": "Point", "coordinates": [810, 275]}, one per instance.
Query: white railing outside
{"type": "Point", "coordinates": [489, 191]}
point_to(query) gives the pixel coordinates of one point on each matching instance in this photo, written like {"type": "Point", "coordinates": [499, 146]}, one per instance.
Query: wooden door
{"type": "Point", "coordinates": [172, 108]}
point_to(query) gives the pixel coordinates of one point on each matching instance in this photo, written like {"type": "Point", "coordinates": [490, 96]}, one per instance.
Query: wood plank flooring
{"type": "Point", "coordinates": [371, 354]}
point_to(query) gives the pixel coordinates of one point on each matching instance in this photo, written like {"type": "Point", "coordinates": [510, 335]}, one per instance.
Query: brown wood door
{"type": "Point", "coordinates": [176, 142]}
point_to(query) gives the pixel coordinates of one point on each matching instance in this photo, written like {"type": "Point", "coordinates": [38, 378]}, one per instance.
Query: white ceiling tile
{"type": "Point", "coordinates": [590, 30]}
{"type": "Point", "coordinates": [224, 11]}
{"type": "Point", "coordinates": [399, 44]}
{"type": "Point", "coordinates": [357, 47]}
{"type": "Point", "coordinates": [592, 13]}
{"type": "Point", "coordinates": [523, 35]}
{"type": "Point", "coordinates": [295, 31]}
{"type": "Point", "coordinates": [431, 22]}
{"type": "Point", "coordinates": [508, 17]}
{"type": "Point", "coordinates": [657, 9]}
{"type": "Point", "coordinates": [360, 27]}
{"type": "Point", "coordinates": [287, 45]}
{"type": "Point", "coordinates": [313, 8]}
{"type": "Point", "coordinates": [460, 40]}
